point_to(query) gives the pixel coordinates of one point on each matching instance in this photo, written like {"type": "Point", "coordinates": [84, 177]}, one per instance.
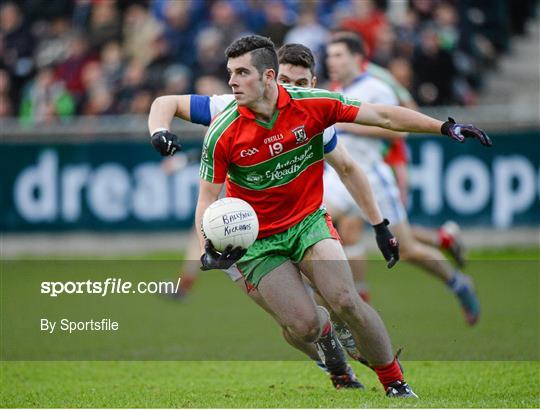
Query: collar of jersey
{"type": "Point", "coordinates": [283, 99]}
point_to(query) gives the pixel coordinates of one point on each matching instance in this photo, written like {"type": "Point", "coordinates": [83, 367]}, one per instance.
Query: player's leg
{"type": "Point", "coordinates": [342, 375]}
{"type": "Point", "coordinates": [286, 297]}
{"type": "Point", "coordinates": [427, 257]}
{"type": "Point", "coordinates": [447, 237]}
{"type": "Point", "coordinates": [434, 262]}
{"type": "Point", "coordinates": [326, 266]}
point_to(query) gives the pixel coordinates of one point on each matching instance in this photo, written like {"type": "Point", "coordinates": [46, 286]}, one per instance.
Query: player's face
{"type": "Point", "coordinates": [296, 75]}
{"type": "Point", "coordinates": [244, 80]}
{"type": "Point", "coordinates": [341, 63]}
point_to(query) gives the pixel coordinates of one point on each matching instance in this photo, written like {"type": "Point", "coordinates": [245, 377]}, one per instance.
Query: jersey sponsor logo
{"type": "Point", "coordinates": [292, 166]}
{"type": "Point", "coordinates": [300, 134]}
{"type": "Point", "coordinates": [248, 152]}
{"type": "Point", "coordinates": [273, 138]}
{"type": "Point", "coordinates": [254, 177]}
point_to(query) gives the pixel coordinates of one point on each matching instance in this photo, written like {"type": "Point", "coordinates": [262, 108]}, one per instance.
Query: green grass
{"type": "Point", "coordinates": [259, 384]}
{"type": "Point", "coordinates": [230, 354]}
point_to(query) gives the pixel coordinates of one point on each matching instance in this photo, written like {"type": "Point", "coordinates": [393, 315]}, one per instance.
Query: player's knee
{"type": "Point", "coordinates": [307, 330]}
{"type": "Point", "coordinates": [346, 304]}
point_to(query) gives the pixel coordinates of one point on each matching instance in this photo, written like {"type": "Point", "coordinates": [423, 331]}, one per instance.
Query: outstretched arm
{"type": "Point", "coordinates": [403, 119]}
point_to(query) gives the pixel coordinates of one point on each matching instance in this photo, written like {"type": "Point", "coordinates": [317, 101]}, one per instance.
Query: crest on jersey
{"type": "Point", "coordinates": [300, 134]}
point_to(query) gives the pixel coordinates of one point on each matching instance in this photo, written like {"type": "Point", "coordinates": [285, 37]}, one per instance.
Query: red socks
{"type": "Point", "coordinates": [389, 373]}
{"type": "Point", "coordinates": [445, 239]}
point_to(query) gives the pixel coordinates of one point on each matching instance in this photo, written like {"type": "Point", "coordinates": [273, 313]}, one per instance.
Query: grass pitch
{"type": "Point", "coordinates": [494, 364]}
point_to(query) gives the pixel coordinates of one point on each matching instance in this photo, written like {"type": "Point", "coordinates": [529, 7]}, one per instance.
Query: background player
{"type": "Point", "coordinates": [344, 59]}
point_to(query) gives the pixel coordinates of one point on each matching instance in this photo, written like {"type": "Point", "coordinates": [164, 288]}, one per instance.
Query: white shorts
{"type": "Point", "coordinates": [233, 273]}
{"type": "Point", "coordinates": [383, 185]}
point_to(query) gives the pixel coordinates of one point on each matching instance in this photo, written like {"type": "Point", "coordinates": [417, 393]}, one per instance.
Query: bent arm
{"type": "Point", "coordinates": [208, 193]}
{"type": "Point", "coordinates": [356, 182]}
{"type": "Point", "coordinates": [165, 108]}
{"type": "Point", "coordinates": [397, 119]}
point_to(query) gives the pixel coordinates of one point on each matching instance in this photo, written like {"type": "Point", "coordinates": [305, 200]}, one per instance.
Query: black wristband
{"type": "Point", "coordinates": [446, 126]}
{"type": "Point", "coordinates": [381, 226]}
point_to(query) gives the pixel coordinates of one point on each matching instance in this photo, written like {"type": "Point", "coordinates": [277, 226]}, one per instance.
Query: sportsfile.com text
{"type": "Point", "coordinates": [110, 286]}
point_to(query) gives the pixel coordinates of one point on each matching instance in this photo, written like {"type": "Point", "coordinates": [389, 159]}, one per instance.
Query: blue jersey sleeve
{"type": "Point", "coordinates": [200, 109]}
{"type": "Point", "coordinates": [330, 145]}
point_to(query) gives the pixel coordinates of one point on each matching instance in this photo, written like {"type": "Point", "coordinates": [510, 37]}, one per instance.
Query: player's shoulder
{"type": "Point", "coordinates": [301, 93]}
{"type": "Point", "coordinates": [221, 124]}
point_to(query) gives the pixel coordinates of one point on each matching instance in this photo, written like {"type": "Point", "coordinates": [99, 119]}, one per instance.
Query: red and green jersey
{"type": "Point", "coordinates": [277, 166]}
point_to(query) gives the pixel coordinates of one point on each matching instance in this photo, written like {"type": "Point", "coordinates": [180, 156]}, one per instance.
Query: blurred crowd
{"type": "Point", "coordinates": [60, 58]}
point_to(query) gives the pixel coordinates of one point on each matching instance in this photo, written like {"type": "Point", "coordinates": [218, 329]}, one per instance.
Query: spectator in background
{"type": "Point", "coordinates": [17, 46]}
{"type": "Point", "coordinates": [385, 46]}
{"type": "Point", "coordinates": [70, 71]}
{"type": "Point", "coordinates": [141, 101]}
{"type": "Point", "coordinates": [105, 24]}
{"type": "Point", "coordinates": [54, 42]}
{"type": "Point", "coordinates": [224, 19]}
{"type": "Point", "coordinates": [434, 70]}
{"type": "Point", "coordinates": [401, 69]}
{"type": "Point", "coordinates": [112, 64]}
{"type": "Point", "coordinates": [6, 107]}
{"type": "Point", "coordinates": [210, 58]}
{"type": "Point", "coordinates": [276, 25]}
{"type": "Point", "coordinates": [133, 78]}
{"type": "Point", "coordinates": [209, 85]}
{"type": "Point", "coordinates": [45, 99]}
{"type": "Point", "coordinates": [161, 60]}
{"type": "Point", "coordinates": [366, 21]}
{"type": "Point", "coordinates": [139, 30]}
{"type": "Point", "coordinates": [180, 32]}
{"type": "Point", "coordinates": [177, 80]}
{"type": "Point", "coordinates": [309, 32]}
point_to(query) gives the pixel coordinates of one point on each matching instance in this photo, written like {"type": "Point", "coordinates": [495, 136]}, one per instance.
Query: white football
{"type": "Point", "coordinates": [230, 221]}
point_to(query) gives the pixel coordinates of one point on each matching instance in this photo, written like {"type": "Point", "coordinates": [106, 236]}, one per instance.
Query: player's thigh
{"type": "Point", "coordinates": [350, 229]}
{"type": "Point", "coordinates": [404, 234]}
{"type": "Point", "coordinates": [327, 268]}
{"type": "Point", "coordinates": [286, 296]}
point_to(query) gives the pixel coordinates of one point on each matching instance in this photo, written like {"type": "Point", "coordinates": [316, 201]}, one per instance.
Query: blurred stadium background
{"type": "Point", "coordinates": [77, 79]}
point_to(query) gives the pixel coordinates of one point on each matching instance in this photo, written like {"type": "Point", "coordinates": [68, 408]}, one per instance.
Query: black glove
{"type": "Point", "coordinates": [461, 131]}
{"type": "Point", "coordinates": [165, 143]}
{"type": "Point", "coordinates": [212, 259]}
{"type": "Point", "coordinates": [387, 243]}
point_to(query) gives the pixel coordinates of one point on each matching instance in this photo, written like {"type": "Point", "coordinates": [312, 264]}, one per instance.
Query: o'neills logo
{"type": "Point", "coordinates": [273, 138]}
{"type": "Point", "coordinates": [300, 134]}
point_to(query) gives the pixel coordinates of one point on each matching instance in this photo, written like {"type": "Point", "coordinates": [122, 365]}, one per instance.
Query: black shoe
{"type": "Point", "coordinates": [346, 379]}
{"type": "Point", "coordinates": [400, 389]}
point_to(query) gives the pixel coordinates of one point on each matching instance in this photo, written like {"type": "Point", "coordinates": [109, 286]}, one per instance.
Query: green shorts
{"type": "Point", "coordinates": [268, 253]}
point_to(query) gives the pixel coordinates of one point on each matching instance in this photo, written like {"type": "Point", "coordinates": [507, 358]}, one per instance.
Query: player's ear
{"type": "Point", "coordinates": [270, 74]}
{"type": "Point", "coordinates": [314, 81]}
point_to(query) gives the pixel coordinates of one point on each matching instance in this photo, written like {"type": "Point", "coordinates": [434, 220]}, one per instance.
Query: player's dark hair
{"type": "Point", "coordinates": [262, 50]}
{"type": "Point", "coordinates": [352, 41]}
{"type": "Point", "coordinates": [297, 54]}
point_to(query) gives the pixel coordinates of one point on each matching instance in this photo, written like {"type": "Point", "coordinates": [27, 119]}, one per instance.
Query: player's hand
{"type": "Point", "coordinates": [387, 243]}
{"type": "Point", "coordinates": [461, 131]}
{"type": "Point", "coordinates": [212, 259]}
{"type": "Point", "coordinates": [165, 143]}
